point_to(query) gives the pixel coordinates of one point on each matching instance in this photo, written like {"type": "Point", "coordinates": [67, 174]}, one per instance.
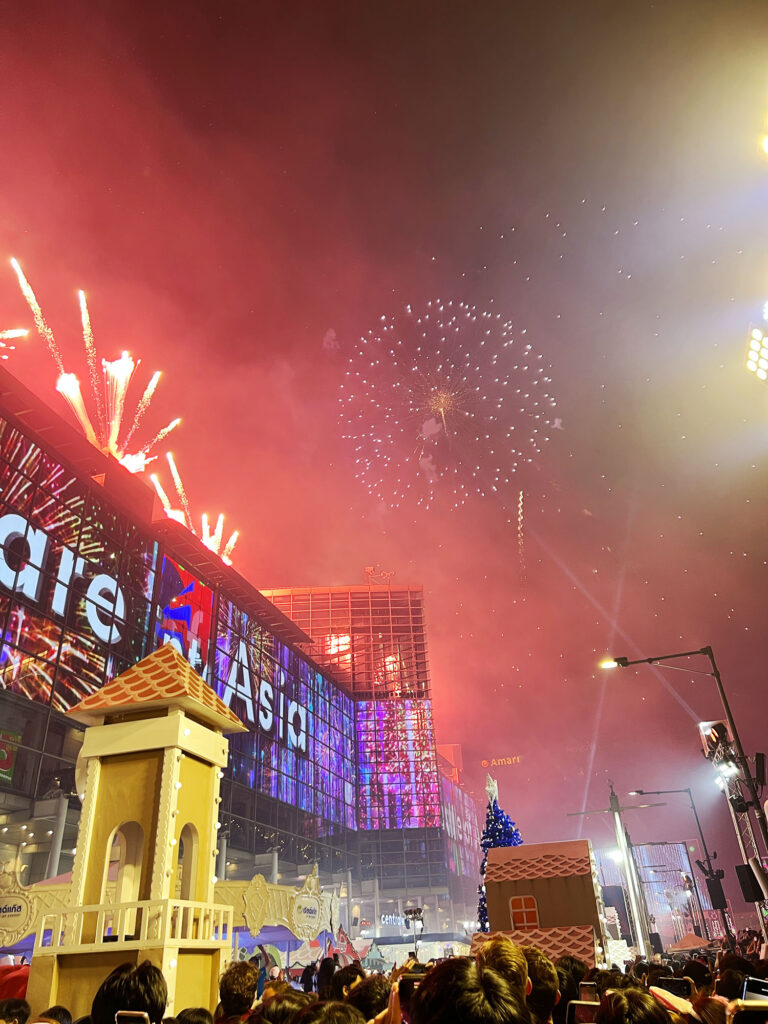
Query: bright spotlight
{"type": "Point", "coordinates": [765, 143]}
{"type": "Point", "coordinates": [609, 663]}
{"type": "Point", "coordinates": [757, 354]}
{"type": "Point", "coordinates": [616, 856]}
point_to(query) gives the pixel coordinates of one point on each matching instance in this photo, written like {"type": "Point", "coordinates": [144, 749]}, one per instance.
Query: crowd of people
{"type": "Point", "coordinates": [504, 984]}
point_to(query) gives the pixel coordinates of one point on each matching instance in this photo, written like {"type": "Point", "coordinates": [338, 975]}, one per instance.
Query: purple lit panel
{"type": "Point", "coordinates": [397, 765]}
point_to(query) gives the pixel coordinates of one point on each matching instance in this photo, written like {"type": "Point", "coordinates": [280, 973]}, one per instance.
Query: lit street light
{"type": "Point", "coordinates": [704, 866]}
{"type": "Point", "coordinates": [737, 805]}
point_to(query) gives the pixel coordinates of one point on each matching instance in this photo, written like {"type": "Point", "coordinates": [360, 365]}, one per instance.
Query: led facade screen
{"type": "Point", "coordinates": [75, 580]}
{"type": "Point", "coordinates": [300, 744]}
{"type": "Point", "coordinates": [462, 831]}
{"type": "Point", "coordinates": [397, 765]}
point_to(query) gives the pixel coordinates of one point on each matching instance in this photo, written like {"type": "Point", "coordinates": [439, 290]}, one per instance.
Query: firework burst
{"type": "Point", "coordinates": [109, 389]}
{"type": "Point", "coordinates": [444, 404]}
{"type": "Point", "coordinates": [181, 513]}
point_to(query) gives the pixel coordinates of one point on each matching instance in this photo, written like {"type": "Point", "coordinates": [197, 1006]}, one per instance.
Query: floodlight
{"type": "Point", "coordinates": [757, 354]}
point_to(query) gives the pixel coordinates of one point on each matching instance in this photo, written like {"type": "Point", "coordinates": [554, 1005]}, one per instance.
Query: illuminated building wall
{"type": "Point", "coordinates": [372, 637]}
{"type": "Point", "coordinates": [91, 581]}
{"type": "Point", "coordinates": [89, 584]}
{"type": "Point", "coordinates": [416, 828]}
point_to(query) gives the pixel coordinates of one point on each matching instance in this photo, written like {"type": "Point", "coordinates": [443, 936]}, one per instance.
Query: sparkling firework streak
{"type": "Point", "coordinates": [213, 539]}
{"type": "Point", "coordinates": [42, 327]}
{"type": "Point", "coordinates": [444, 404]}
{"type": "Point", "coordinates": [93, 366]}
{"type": "Point", "coordinates": [11, 335]}
{"type": "Point", "coordinates": [109, 391]}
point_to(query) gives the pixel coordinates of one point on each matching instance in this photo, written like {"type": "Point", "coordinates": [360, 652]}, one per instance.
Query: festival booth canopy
{"type": "Point", "coordinates": [688, 942]}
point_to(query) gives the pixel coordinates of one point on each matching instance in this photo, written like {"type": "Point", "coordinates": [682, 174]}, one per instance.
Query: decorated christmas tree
{"type": "Point", "coordinates": [499, 830]}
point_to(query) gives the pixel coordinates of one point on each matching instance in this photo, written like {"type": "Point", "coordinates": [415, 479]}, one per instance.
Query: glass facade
{"type": "Point", "coordinates": [342, 775]}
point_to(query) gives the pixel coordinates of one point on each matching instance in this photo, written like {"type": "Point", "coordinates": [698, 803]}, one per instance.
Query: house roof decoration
{"type": "Point", "coordinates": [161, 679]}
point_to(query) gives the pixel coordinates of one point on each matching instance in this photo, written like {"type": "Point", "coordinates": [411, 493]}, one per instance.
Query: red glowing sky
{"type": "Point", "coordinates": [230, 181]}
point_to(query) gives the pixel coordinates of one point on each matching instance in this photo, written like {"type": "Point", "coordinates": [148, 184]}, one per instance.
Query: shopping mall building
{"type": "Point", "coordinates": [339, 766]}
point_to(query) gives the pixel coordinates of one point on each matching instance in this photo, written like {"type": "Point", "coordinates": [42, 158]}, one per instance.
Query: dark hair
{"type": "Point", "coordinates": [709, 1010]}
{"type": "Point", "coordinates": [545, 984]}
{"type": "Point", "coordinates": [325, 972]}
{"type": "Point", "coordinates": [734, 962]}
{"type": "Point", "coordinates": [345, 976]}
{"type": "Point", "coordinates": [15, 1009]}
{"type": "Point", "coordinates": [459, 989]}
{"type": "Point", "coordinates": [237, 988]}
{"type": "Point", "coordinates": [730, 984]}
{"type": "Point", "coordinates": [700, 975]}
{"type": "Point", "coordinates": [569, 990]}
{"type": "Point", "coordinates": [573, 966]}
{"type": "Point", "coordinates": [630, 1006]}
{"type": "Point", "coordinates": [139, 987]}
{"type": "Point", "coordinates": [329, 1011]}
{"type": "Point", "coordinates": [371, 995]}
{"type": "Point", "coordinates": [503, 955]}
{"type": "Point", "coordinates": [283, 1007]}
{"type": "Point", "coordinates": [194, 1015]}
{"type": "Point", "coordinates": [58, 1013]}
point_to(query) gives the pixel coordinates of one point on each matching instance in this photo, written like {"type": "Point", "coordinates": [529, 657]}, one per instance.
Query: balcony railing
{"type": "Point", "coordinates": [173, 922]}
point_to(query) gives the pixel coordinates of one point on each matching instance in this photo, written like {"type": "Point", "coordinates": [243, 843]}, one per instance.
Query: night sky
{"type": "Point", "coordinates": [245, 190]}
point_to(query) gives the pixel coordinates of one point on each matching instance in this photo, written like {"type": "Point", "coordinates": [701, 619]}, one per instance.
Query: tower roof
{"type": "Point", "coordinates": [164, 678]}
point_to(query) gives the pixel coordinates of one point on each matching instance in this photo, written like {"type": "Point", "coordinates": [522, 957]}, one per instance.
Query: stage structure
{"type": "Point", "coordinates": [151, 763]}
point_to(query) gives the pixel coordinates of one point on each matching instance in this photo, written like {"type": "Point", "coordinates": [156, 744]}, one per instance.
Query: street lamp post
{"type": "Point", "coordinates": [709, 871]}
{"type": "Point", "coordinates": [743, 763]}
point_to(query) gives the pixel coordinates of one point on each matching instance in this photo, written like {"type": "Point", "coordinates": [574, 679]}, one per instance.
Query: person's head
{"type": "Point", "coordinates": [569, 990]}
{"type": "Point", "coordinates": [325, 972]}
{"type": "Point", "coordinates": [139, 987]}
{"type": "Point", "coordinates": [274, 989]}
{"type": "Point", "coordinates": [502, 955]}
{"type": "Point", "coordinates": [544, 993]}
{"type": "Point", "coordinates": [15, 1010]}
{"type": "Point", "coordinates": [345, 979]}
{"type": "Point", "coordinates": [630, 1006]}
{"type": "Point", "coordinates": [462, 989]}
{"type": "Point", "coordinates": [734, 962]}
{"type": "Point", "coordinates": [709, 1010]}
{"type": "Point", "coordinates": [194, 1015]}
{"type": "Point", "coordinates": [573, 966]}
{"type": "Point", "coordinates": [371, 995]}
{"type": "Point", "coordinates": [283, 1007]}
{"type": "Point", "coordinates": [237, 988]}
{"type": "Point", "coordinates": [701, 976]}
{"type": "Point", "coordinates": [730, 984]}
{"type": "Point", "coordinates": [329, 1012]}
{"type": "Point", "coordinates": [58, 1013]}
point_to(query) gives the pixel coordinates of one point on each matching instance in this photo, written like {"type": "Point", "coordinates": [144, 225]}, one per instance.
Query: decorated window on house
{"type": "Point", "coordinates": [523, 913]}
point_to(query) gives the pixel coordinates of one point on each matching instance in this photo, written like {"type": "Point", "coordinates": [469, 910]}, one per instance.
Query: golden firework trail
{"type": "Point", "coordinates": [109, 389]}
{"type": "Point", "coordinates": [213, 539]}
{"type": "Point", "coordinates": [40, 323]}
{"type": "Point", "coordinates": [93, 365]}
{"type": "Point", "coordinates": [10, 335]}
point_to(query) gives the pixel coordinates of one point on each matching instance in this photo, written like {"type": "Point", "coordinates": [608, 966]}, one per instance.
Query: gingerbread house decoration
{"type": "Point", "coordinates": [150, 770]}
{"type": "Point", "coordinates": [546, 895]}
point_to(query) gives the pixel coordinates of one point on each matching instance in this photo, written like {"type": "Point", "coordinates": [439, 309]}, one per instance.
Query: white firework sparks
{"type": "Point", "coordinates": [181, 513]}
{"type": "Point", "coordinates": [444, 404]}
{"type": "Point", "coordinates": [109, 390]}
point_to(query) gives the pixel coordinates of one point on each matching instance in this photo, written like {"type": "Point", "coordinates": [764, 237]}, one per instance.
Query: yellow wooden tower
{"type": "Point", "coordinates": [150, 767]}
